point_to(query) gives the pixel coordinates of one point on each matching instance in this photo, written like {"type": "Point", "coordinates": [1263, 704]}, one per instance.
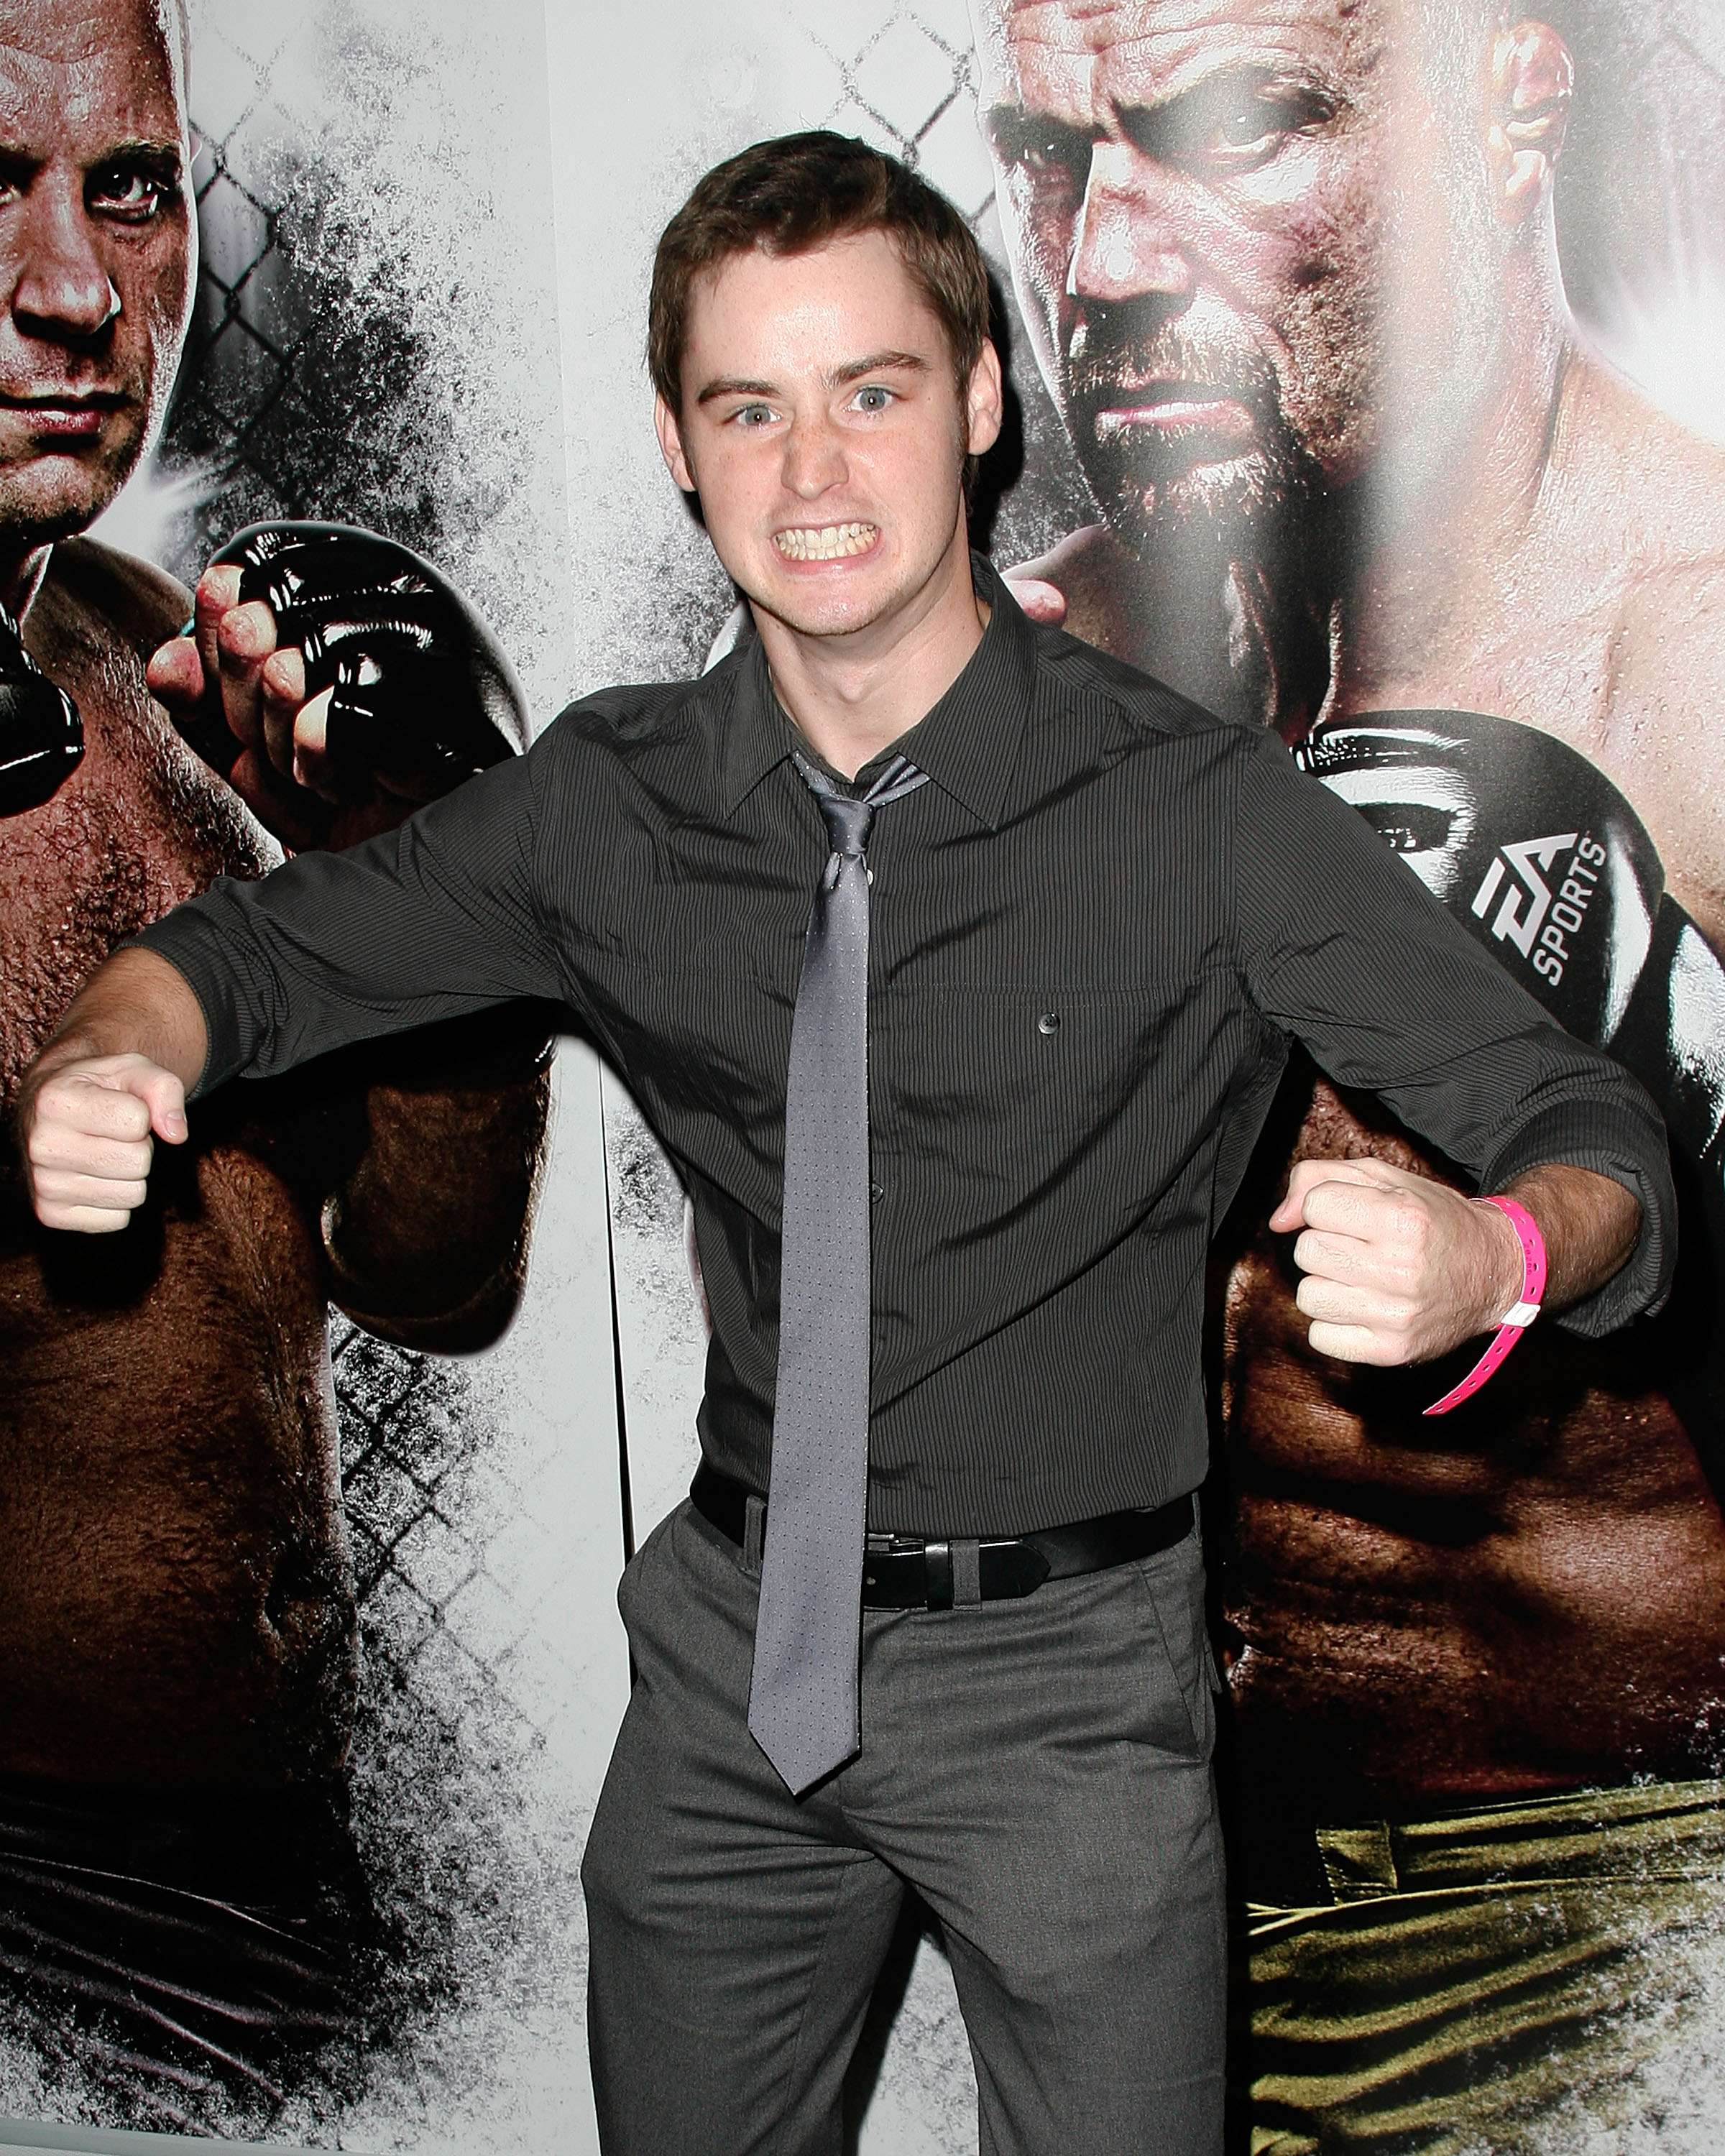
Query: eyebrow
{"type": "Point", "coordinates": [163, 156]}
{"type": "Point", "coordinates": [142, 148]}
{"type": "Point", "coordinates": [1155, 125]}
{"type": "Point", "coordinates": [875, 363]}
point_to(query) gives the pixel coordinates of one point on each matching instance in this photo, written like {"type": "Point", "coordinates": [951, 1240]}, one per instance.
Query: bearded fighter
{"type": "Point", "coordinates": [1292, 275]}
{"type": "Point", "coordinates": [177, 1645]}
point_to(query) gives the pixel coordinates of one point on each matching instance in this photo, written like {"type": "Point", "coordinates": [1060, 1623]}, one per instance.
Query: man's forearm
{"type": "Point", "coordinates": [1589, 1223]}
{"type": "Point", "coordinates": [135, 1004]}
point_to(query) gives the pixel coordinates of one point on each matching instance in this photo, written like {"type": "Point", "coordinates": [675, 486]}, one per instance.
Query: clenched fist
{"type": "Point", "coordinates": [89, 1139]}
{"type": "Point", "coordinates": [1398, 1268]}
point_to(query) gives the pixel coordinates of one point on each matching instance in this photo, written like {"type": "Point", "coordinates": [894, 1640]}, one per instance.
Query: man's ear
{"type": "Point", "coordinates": [670, 444]}
{"type": "Point", "coordinates": [984, 400]}
{"type": "Point", "coordinates": [1532, 77]}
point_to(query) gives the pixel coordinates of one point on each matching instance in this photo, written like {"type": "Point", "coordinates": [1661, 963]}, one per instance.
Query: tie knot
{"type": "Point", "coordinates": [847, 818]}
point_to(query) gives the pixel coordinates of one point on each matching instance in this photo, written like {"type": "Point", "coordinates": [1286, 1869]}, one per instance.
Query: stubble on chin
{"type": "Point", "coordinates": [1232, 561]}
{"type": "Point", "coordinates": [44, 499]}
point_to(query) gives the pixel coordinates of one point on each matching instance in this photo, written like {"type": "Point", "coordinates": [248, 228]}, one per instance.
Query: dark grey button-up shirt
{"type": "Point", "coordinates": [1092, 936]}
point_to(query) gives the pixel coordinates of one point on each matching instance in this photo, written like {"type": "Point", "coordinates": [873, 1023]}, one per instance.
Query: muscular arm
{"type": "Point", "coordinates": [426, 1239]}
{"type": "Point", "coordinates": [425, 1232]}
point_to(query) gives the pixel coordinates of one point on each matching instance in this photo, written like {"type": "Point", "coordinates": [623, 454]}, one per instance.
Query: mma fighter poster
{"type": "Point", "coordinates": [1366, 355]}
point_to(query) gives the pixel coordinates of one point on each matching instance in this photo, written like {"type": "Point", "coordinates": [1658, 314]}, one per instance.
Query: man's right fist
{"type": "Point", "coordinates": [86, 1123]}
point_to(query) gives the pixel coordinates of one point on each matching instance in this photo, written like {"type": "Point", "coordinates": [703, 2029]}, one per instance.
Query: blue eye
{"type": "Point", "coordinates": [874, 398]}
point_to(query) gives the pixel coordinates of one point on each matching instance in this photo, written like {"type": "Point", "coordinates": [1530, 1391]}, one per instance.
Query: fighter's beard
{"type": "Point", "coordinates": [1234, 538]}
{"type": "Point", "coordinates": [1152, 480]}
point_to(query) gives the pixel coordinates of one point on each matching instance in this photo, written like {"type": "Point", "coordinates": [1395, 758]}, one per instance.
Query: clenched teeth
{"type": "Point", "coordinates": [824, 543]}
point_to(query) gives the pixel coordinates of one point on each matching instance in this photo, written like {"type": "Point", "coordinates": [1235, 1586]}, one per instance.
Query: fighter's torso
{"type": "Point", "coordinates": [1528, 1595]}
{"type": "Point", "coordinates": [174, 1597]}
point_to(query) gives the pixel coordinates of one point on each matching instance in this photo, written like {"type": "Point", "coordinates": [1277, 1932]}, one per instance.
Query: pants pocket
{"type": "Point", "coordinates": [1173, 1582]}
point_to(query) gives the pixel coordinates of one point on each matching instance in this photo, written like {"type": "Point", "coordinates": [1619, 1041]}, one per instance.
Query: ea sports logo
{"type": "Point", "coordinates": [1519, 871]}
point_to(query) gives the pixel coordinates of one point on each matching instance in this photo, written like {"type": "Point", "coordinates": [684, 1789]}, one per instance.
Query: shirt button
{"type": "Point", "coordinates": [876, 1192]}
{"type": "Point", "coordinates": [1050, 1022]}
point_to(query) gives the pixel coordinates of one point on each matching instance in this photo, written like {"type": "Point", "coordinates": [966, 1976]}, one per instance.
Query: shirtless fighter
{"type": "Point", "coordinates": [1290, 270]}
{"type": "Point", "coordinates": [177, 1624]}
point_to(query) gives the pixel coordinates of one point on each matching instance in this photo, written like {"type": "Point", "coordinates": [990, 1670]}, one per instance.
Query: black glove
{"type": "Point", "coordinates": [1527, 845]}
{"type": "Point", "coordinates": [419, 682]}
{"type": "Point", "coordinates": [41, 734]}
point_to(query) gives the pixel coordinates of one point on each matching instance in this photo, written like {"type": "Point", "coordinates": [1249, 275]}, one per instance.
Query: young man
{"type": "Point", "coordinates": [953, 965]}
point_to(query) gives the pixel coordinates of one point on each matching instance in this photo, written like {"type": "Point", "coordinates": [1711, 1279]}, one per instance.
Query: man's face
{"type": "Point", "coordinates": [821, 427]}
{"type": "Point", "coordinates": [97, 250]}
{"type": "Point", "coordinates": [1234, 238]}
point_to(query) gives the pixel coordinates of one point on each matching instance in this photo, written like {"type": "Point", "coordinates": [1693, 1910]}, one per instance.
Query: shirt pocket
{"type": "Point", "coordinates": [1021, 1090]}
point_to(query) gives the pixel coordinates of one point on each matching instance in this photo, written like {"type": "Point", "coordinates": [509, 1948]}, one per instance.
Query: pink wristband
{"type": "Point", "coordinates": [1516, 1319]}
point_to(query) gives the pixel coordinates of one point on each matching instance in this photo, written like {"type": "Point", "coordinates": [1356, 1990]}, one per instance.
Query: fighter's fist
{"type": "Point", "coordinates": [41, 734]}
{"type": "Point", "coordinates": [355, 681]}
{"type": "Point", "coordinates": [1038, 599]}
{"type": "Point", "coordinates": [1398, 1268]}
{"type": "Point", "coordinates": [86, 1126]}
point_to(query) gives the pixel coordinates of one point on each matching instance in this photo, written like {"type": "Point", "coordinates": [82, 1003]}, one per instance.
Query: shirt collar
{"type": "Point", "coordinates": [967, 743]}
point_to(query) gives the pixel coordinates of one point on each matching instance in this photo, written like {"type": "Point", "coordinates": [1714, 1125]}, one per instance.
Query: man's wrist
{"type": "Point", "coordinates": [1508, 1261]}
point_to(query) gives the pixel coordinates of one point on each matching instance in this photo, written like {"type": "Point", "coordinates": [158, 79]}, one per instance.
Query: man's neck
{"type": "Point", "coordinates": [1450, 562]}
{"type": "Point", "coordinates": [853, 695]}
{"type": "Point", "coordinates": [22, 569]}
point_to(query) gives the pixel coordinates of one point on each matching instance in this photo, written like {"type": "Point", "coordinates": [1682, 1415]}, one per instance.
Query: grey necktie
{"type": "Point", "coordinates": [802, 1699]}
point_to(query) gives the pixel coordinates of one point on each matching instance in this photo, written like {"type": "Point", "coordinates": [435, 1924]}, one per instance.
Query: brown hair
{"type": "Point", "coordinates": [795, 192]}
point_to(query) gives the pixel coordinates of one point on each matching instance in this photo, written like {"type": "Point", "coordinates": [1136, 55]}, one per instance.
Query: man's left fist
{"type": "Point", "coordinates": [352, 679]}
{"type": "Point", "coordinates": [1397, 1268]}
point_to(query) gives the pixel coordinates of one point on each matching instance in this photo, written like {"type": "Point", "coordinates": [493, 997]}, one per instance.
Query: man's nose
{"type": "Point", "coordinates": [61, 287]}
{"type": "Point", "coordinates": [1128, 244]}
{"type": "Point", "coordinates": [813, 456]}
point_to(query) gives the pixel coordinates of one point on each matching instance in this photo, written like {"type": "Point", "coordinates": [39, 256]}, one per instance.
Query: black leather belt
{"type": "Point", "coordinates": [908, 1572]}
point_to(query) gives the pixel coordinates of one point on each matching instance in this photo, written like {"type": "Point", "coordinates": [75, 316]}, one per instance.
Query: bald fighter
{"type": "Point", "coordinates": [178, 1650]}
{"type": "Point", "coordinates": [1292, 275]}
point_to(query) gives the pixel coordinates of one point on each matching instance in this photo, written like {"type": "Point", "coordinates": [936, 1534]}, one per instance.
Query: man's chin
{"type": "Point", "coordinates": [809, 611]}
{"type": "Point", "coordinates": [1225, 501]}
{"type": "Point", "coordinates": [47, 499]}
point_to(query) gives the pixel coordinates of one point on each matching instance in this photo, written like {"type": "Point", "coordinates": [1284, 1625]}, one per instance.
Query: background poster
{"type": "Point", "coordinates": [1435, 1951]}
{"type": "Point", "coordinates": [375, 338]}
{"type": "Point", "coordinates": [425, 252]}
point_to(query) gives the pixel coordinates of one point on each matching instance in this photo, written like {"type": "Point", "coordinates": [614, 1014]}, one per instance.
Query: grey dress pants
{"type": "Point", "coordinates": [1039, 1770]}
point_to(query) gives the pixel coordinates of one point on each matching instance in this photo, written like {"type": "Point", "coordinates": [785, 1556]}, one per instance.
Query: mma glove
{"type": "Point", "coordinates": [1538, 853]}
{"type": "Point", "coordinates": [41, 734]}
{"type": "Point", "coordinates": [419, 686]}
